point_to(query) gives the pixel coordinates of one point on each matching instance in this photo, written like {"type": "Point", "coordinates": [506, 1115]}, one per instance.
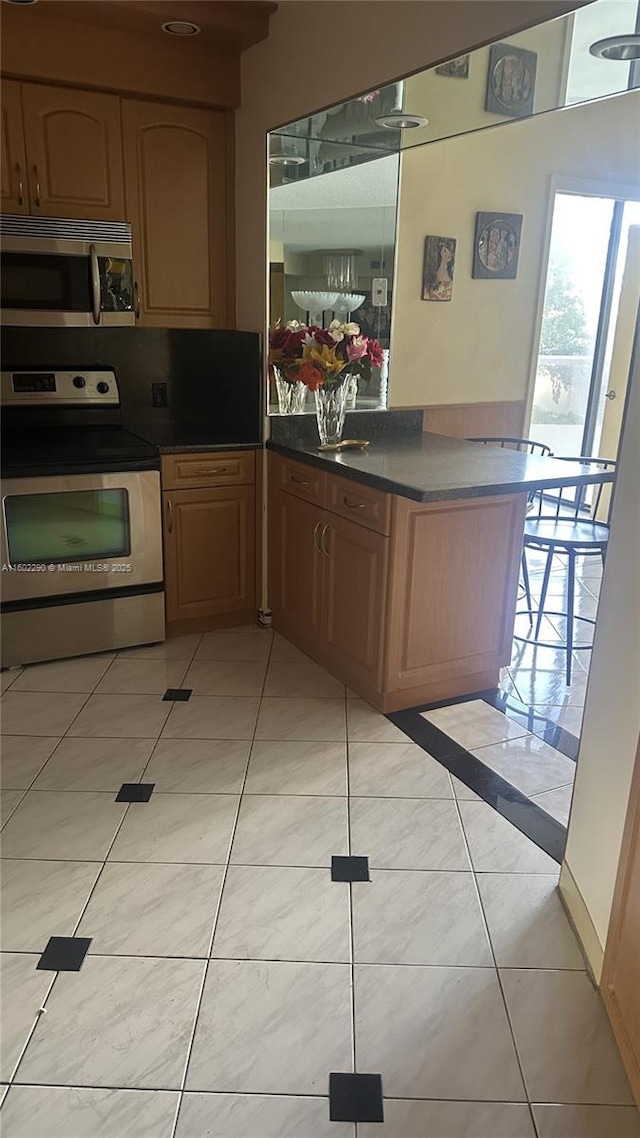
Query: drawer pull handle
{"type": "Point", "coordinates": [299, 481]}
{"type": "Point", "coordinates": [353, 505]}
{"type": "Point", "coordinates": [37, 178]}
{"type": "Point", "coordinates": [20, 184]}
{"type": "Point", "coordinates": [169, 516]}
{"type": "Point", "coordinates": [215, 470]}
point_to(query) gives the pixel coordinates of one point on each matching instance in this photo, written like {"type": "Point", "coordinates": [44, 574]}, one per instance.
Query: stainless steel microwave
{"type": "Point", "coordinates": [56, 272]}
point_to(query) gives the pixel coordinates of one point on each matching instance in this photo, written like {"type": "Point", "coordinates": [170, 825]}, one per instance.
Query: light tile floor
{"type": "Point", "coordinates": [536, 677]}
{"type": "Point", "coordinates": [227, 974]}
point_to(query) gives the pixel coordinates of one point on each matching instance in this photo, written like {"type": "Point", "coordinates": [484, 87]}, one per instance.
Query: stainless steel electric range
{"type": "Point", "coordinates": [81, 541]}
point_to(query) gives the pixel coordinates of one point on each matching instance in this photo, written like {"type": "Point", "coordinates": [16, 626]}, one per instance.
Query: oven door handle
{"type": "Point", "coordinates": [95, 284]}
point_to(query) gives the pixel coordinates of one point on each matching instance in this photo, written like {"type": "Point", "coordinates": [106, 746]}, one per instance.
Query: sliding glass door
{"type": "Point", "coordinates": [587, 255]}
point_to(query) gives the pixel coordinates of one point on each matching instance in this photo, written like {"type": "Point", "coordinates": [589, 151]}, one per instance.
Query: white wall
{"type": "Point", "coordinates": [305, 64]}
{"type": "Point", "coordinates": [479, 345]}
{"type": "Point", "coordinates": [611, 722]}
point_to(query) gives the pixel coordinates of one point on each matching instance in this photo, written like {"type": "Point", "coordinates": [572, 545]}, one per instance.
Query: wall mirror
{"type": "Point", "coordinates": [332, 223]}
{"type": "Point", "coordinates": [339, 227]}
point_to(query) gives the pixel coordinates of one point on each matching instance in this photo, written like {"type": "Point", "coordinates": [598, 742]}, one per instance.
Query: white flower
{"type": "Point", "coordinates": [295, 325]}
{"type": "Point", "coordinates": [336, 335]}
{"type": "Point", "coordinates": [352, 329]}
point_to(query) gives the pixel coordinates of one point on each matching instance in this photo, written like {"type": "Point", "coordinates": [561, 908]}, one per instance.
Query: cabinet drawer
{"type": "Point", "coordinates": [362, 504]}
{"type": "Point", "coordinates": [190, 471]}
{"type": "Point", "coordinates": [302, 480]}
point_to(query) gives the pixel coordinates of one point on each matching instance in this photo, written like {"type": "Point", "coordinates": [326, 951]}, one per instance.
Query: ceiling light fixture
{"type": "Point", "coordinates": [179, 28]}
{"type": "Point", "coordinates": [286, 160]}
{"type": "Point", "coordinates": [22, 2]}
{"type": "Point", "coordinates": [397, 119]}
{"type": "Point", "coordinates": [400, 120]}
{"type": "Point", "coordinates": [621, 48]}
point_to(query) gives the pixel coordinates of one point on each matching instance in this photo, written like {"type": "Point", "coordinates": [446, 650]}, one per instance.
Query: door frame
{"type": "Point", "coordinates": [581, 187]}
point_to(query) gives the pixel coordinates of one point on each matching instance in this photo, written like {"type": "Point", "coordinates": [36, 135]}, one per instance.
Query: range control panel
{"type": "Point", "coordinates": [60, 388]}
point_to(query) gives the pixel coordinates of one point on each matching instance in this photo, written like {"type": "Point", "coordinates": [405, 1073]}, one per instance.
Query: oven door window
{"type": "Point", "coordinates": [46, 282]}
{"type": "Point", "coordinates": [76, 525]}
{"type": "Point", "coordinates": [116, 284]}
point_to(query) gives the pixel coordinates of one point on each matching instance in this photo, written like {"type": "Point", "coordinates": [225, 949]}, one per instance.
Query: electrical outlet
{"type": "Point", "coordinates": [159, 395]}
{"type": "Point", "coordinates": [379, 288]}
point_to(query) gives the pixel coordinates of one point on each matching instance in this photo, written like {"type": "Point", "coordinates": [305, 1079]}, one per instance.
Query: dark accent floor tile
{"type": "Point", "coordinates": [135, 792]}
{"type": "Point", "coordinates": [534, 722]}
{"type": "Point", "coordinates": [64, 954]}
{"type": "Point", "coordinates": [547, 833]}
{"type": "Point", "coordinates": [355, 1098]}
{"type": "Point", "coordinates": [349, 868]}
{"type": "Point", "coordinates": [178, 695]}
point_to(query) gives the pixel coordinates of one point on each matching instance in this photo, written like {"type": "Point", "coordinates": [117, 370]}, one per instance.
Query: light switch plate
{"type": "Point", "coordinates": [379, 290]}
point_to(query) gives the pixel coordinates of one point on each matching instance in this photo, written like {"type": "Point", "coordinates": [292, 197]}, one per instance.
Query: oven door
{"type": "Point", "coordinates": [50, 283]}
{"type": "Point", "coordinates": [80, 533]}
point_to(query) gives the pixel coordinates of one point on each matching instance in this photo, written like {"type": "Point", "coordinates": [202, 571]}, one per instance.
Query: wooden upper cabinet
{"type": "Point", "coordinates": [176, 201]}
{"type": "Point", "coordinates": [13, 192]}
{"type": "Point", "coordinates": [74, 153]}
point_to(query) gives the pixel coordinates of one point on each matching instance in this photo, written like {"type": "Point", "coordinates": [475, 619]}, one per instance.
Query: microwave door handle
{"type": "Point", "coordinates": [95, 284]}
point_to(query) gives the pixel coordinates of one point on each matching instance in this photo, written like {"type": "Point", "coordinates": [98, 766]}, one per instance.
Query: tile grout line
{"type": "Point", "coordinates": [352, 970]}
{"type": "Point", "coordinates": [495, 962]}
{"type": "Point", "coordinates": [198, 1008]}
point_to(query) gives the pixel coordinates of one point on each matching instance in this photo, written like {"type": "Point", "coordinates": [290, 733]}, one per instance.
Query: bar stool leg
{"type": "Point", "coordinates": [571, 587]}
{"type": "Point", "coordinates": [527, 586]}
{"type": "Point", "coordinates": [543, 594]}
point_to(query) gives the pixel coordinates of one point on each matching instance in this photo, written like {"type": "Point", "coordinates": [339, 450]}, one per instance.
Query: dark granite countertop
{"type": "Point", "coordinates": [433, 468]}
{"type": "Point", "coordinates": [179, 438]}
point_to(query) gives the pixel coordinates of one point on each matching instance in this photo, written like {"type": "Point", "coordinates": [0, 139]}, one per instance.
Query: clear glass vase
{"type": "Point", "coordinates": [330, 408]}
{"type": "Point", "coordinates": [291, 396]}
{"type": "Point", "coordinates": [352, 392]}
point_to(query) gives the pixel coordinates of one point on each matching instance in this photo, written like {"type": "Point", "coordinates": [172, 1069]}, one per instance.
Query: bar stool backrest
{"type": "Point", "coordinates": [569, 501]}
{"type": "Point", "coordinates": [525, 446]}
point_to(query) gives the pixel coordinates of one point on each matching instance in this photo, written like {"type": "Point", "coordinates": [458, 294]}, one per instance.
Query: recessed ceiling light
{"type": "Point", "coordinates": [179, 28]}
{"type": "Point", "coordinates": [22, 1]}
{"type": "Point", "coordinates": [400, 120]}
{"type": "Point", "coordinates": [286, 160]}
{"type": "Point", "coordinates": [624, 48]}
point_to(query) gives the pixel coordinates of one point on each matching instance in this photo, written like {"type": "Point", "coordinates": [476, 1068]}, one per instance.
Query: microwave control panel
{"type": "Point", "coordinates": [61, 388]}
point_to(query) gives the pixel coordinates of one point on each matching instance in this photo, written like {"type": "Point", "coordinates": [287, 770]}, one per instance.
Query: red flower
{"type": "Point", "coordinates": [374, 352]}
{"type": "Point", "coordinates": [310, 375]}
{"type": "Point", "coordinates": [321, 336]}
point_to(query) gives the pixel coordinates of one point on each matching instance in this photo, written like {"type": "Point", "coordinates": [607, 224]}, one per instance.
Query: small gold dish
{"type": "Point", "coordinates": [346, 444]}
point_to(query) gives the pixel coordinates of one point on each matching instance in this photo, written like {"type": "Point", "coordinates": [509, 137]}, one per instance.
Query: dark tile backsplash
{"type": "Point", "coordinates": [358, 425]}
{"type": "Point", "coordinates": [213, 377]}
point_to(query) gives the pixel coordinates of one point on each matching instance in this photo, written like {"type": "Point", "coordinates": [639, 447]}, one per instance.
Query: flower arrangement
{"type": "Point", "coordinates": [320, 357]}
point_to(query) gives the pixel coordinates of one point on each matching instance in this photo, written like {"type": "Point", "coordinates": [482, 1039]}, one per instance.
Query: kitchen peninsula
{"type": "Point", "coordinates": [396, 567]}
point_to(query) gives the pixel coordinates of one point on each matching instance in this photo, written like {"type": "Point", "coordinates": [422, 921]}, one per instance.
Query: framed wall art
{"type": "Point", "coordinates": [455, 68]}
{"type": "Point", "coordinates": [497, 246]}
{"type": "Point", "coordinates": [437, 268]}
{"type": "Point", "coordinates": [511, 80]}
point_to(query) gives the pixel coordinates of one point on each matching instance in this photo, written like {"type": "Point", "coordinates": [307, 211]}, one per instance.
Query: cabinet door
{"type": "Point", "coordinates": [13, 180]}
{"type": "Point", "coordinates": [175, 178]}
{"type": "Point", "coordinates": [295, 569]}
{"type": "Point", "coordinates": [354, 599]}
{"type": "Point", "coordinates": [74, 153]}
{"type": "Point", "coordinates": [209, 551]}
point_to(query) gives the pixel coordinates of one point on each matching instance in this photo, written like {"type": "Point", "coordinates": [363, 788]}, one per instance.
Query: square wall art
{"type": "Point", "coordinates": [438, 266]}
{"type": "Point", "coordinates": [497, 246]}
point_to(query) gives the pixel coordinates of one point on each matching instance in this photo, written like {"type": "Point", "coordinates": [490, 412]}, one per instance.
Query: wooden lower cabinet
{"type": "Point", "coordinates": [413, 602]}
{"type": "Point", "coordinates": [209, 544]}
{"type": "Point", "coordinates": [355, 582]}
{"type": "Point", "coordinates": [296, 568]}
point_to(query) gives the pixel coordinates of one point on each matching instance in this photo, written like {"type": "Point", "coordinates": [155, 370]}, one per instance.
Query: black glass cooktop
{"type": "Point", "coordinates": [74, 449]}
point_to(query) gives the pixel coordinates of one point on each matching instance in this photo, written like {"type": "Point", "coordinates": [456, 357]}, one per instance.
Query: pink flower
{"type": "Point", "coordinates": [357, 348]}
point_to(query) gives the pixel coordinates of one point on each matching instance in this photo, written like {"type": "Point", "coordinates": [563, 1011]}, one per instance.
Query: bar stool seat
{"type": "Point", "coordinates": [566, 531]}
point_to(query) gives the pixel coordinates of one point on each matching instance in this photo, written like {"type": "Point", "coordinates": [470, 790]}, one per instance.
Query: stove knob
{"type": "Point", "coordinates": [79, 381]}
{"type": "Point", "coordinates": [102, 387]}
